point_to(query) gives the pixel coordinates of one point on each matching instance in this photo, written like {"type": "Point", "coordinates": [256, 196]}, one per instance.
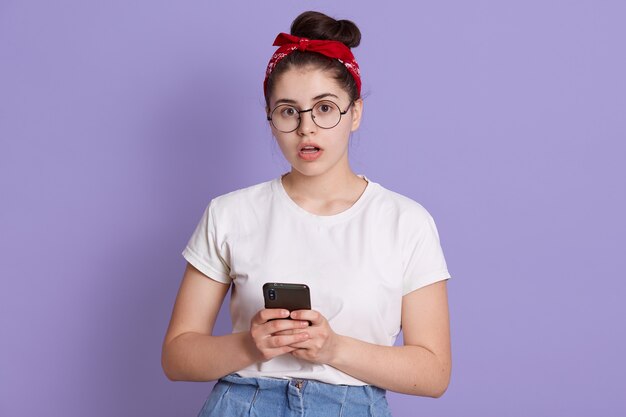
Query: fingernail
{"type": "Point", "coordinates": [284, 313]}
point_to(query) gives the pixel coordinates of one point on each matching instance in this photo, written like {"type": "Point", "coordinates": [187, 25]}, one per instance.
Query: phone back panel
{"type": "Point", "coordinates": [288, 296]}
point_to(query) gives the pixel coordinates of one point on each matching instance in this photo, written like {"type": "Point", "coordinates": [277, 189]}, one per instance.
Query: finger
{"type": "Point", "coordinates": [272, 346]}
{"type": "Point", "coordinates": [301, 345]}
{"type": "Point", "coordinates": [267, 314]}
{"type": "Point", "coordinates": [287, 340]}
{"type": "Point", "coordinates": [275, 326]}
{"type": "Point", "coordinates": [268, 354]}
{"type": "Point", "coordinates": [310, 315]}
{"type": "Point", "coordinates": [290, 331]}
{"type": "Point", "coordinates": [262, 332]}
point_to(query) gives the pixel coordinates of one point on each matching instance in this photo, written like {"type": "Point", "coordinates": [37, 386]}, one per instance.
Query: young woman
{"type": "Point", "coordinates": [371, 259]}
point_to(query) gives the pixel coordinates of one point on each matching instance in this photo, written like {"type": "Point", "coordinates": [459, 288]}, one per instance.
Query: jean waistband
{"type": "Point", "coordinates": [370, 391]}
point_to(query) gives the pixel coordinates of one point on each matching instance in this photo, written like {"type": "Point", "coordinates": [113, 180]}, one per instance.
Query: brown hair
{"type": "Point", "coordinates": [316, 25]}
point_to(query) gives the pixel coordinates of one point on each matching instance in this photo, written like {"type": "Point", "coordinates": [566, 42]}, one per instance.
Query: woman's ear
{"type": "Point", "coordinates": [267, 116]}
{"type": "Point", "coordinates": [357, 112]}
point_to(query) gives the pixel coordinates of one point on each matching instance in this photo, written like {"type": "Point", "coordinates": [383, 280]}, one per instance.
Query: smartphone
{"type": "Point", "coordinates": [288, 296]}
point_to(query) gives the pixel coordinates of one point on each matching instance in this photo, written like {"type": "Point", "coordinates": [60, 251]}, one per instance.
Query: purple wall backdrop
{"type": "Point", "coordinates": [120, 120]}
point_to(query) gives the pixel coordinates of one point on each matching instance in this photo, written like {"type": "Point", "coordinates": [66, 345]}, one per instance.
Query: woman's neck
{"type": "Point", "coordinates": [324, 194]}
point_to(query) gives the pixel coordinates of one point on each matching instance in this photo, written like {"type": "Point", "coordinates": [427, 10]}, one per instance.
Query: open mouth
{"type": "Point", "coordinates": [310, 152]}
{"type": "Point", "coordinates": [309, 149]}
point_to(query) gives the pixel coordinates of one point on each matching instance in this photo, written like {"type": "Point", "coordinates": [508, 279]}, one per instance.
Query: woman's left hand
{"type": "Point", "coordinates": [322, 344]}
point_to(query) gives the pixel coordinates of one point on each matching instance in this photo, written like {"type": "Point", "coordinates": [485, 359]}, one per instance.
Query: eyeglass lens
{"type": "Point", "coordinates": [325, 114]}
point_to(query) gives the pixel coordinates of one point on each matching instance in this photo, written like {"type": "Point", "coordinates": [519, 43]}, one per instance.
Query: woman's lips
{"type": "Point", "coordinates": [309, 152]}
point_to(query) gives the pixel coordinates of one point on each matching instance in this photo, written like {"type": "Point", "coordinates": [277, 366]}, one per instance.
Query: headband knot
{"type": "Point", "coordinates": [303, 44]}
{"type": "Point", "coordinates": [333, 49]}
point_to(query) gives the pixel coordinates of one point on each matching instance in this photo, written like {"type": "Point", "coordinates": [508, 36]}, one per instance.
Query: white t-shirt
{"type": "Point", "coordinates": [358, 264]}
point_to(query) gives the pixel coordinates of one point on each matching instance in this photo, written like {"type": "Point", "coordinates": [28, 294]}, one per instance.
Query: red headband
{"type": "Point", "coordinates": [332, 49]}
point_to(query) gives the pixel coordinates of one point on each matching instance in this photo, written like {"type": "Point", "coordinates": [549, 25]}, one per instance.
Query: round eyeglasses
{"type": "Point", "coordinates": [325, 114]}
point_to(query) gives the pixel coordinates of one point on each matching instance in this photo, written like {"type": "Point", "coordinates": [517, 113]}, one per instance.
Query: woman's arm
{"type": "Point", "coordinates": [191, 353]}
{"type": "Point", "coordinates": [421, 367]}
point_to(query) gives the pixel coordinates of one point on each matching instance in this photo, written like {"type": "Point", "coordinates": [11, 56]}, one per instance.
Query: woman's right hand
{"type": "Point", "coordinates": [272, 333]}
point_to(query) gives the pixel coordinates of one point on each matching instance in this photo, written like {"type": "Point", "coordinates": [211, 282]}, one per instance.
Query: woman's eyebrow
{"type": "Point", "coordinates": [291, 101]}
{"type": "Point", "coordinates": [285, 101]}
{"type": "Point", "coordinates": [321, 96]}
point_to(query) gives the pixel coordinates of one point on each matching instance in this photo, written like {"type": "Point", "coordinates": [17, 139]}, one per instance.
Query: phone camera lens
{"type": "Point", "coordinates": [272, 294]}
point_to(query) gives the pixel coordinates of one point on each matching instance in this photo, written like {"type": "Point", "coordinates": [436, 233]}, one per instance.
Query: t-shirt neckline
{"type": "Point", "coordinates": [333, 218]}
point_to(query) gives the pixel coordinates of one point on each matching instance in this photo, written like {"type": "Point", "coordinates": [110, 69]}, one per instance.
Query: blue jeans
{"type": "Point", "coordinates": [234, 396]}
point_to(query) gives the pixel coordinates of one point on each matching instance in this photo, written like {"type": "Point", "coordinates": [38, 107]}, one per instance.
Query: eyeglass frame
{"type": "Point", "coordinates": [341, 113]}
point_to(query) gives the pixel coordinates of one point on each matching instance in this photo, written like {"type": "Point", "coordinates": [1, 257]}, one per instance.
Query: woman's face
{"type": "Point", "coordinates": [310, 149]}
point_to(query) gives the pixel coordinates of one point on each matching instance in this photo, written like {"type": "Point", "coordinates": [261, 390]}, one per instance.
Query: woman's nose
{"type": "Point", "coordinates": [307, 125]}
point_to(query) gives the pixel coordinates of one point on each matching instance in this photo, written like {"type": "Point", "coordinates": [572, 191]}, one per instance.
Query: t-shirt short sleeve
{"type": "Point", "coordinates": [205, 250]}
{"type": "Point", "coordinates": [425, 263]}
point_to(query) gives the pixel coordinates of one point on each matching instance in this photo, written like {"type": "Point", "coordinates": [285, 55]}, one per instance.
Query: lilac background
{"type": "Point", "coordinates": [120, 120]}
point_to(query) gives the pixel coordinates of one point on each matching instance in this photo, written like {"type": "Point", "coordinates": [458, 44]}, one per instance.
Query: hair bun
{"type": "Point", "coordinates": [316, 25]}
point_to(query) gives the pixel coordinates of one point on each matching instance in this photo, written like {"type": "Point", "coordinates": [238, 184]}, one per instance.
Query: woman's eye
{"type": "Point", "coordinates": [325, 108]}
{"type": "Point", "coordinates": [288, 112]}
